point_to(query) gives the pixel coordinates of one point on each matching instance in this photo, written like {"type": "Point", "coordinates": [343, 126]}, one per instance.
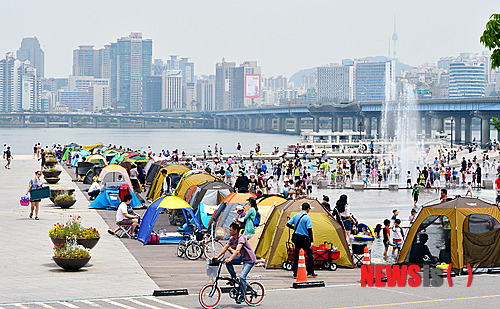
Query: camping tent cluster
{"type": "Point", "coordinates": [474, 233]}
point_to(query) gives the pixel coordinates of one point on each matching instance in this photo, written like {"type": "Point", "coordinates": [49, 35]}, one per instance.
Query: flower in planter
{"type": "Point", "coordinates": [64, 197]}
{"type": "Point", "coordinates": [89, 233]}
{"type": "Point", "coordinates": [73, 228]}
{"type": "Point", "coordinates": [71, 251]}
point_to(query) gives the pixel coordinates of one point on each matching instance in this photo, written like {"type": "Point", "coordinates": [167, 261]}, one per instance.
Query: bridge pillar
{"type": "Point", "coordinates": [239, 123]}
{"type": "Point", "coordinates": [458, 129]}
{"type": "Point", "coordinates": [428, 126]}
{"type": "Point", "coordinates": [250, 123]}
{"type": "Point", "coordinates": [94, 119]}
{"type": "Point", "coordinates": [419, 126]}
{"type": "Point", "coordinates": [70, 122]}
{"type": "Point", "coordinates": [22, 120]}
{"type": "Point", "coordinates": [281, 124]}
{"type": "Point", "coordinates": [119, 122]}
{"type": "Point", "coordinates": [215, 123]}
{"type": "Point", "coordinates": [298, 121]}
{"type": "Point", "coordinates": [485, 130]}
{"type": "Point", "coordinates": [340, 124]}
{"type": "Point", "coordinates": [316, 123]}
{"type": "Point", "coordinates": [265, 123]}
{"type": "Point", "coordinates": [440, 124]}
{"type": "Point", "coordinates": [379, 127]}
{"type": "Point", "coordinates": [368, 126]}
{"type": "Point", "coordinates": [46, 121]}
{"type": "Point", "coordinates": [468, 129]}
{"type": "Point", "coordinates": [334, 123]}
{"type": "Point", "coordinates": [355, 124]}
{"type": "Point", "coordinates": [143, 124]}
{"type": "Point", "coordinates": [391, 125]}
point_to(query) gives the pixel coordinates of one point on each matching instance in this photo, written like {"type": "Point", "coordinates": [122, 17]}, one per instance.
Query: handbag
{"type": "Point", "coordinates": [295, 237]}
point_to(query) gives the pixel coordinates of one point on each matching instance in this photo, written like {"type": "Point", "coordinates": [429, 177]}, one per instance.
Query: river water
{"type": "Point", "coordinates": [192, 141]}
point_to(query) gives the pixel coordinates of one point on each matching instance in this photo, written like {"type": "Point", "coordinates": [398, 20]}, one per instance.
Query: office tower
{"type": "Point", "coordinates": [223, 77]}
{"type": "Point", "coordinates": [158, 67]}
{"type": "Point", "coordinates": [30, 50]}
{"type": "Point", "coordinates": [182, 64]}
{"type": "Point", "coordinates": [172, 90]}
{"type": "Point", "coordinates": [151, 95]}
{"type": "Point", "coordinates": [466, 79]}
{"type": "Point", "coordinates": [8, 82]}
{"type": "Point", "coordinates": [85, 93]}
{"type": "Point", "coordinates": [189, 96]}
{"type": "Point", "coordinates": [336, 82]}
{"type": "Point", "coordinates": [103, 68]}
{"type": "Point", "coordinates": [374, 81]}
{"type": "Point", "coordinates": [237, 87]}
{"type": "Point", "coordinates": [205, 94]}
{"type": "Point", "coordinates": [130, 59]}
{"type": "Point", "coordinates": [88, 61]}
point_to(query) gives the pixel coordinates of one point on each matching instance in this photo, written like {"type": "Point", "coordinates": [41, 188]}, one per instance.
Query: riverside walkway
{"type": "Point", "coordinates": [28, 272]}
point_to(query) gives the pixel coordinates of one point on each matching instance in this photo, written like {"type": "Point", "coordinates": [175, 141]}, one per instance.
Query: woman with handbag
{"type": "Point", "coordinates": [345, 214]}
{"type": "Point", "coordinates": [33, 184]}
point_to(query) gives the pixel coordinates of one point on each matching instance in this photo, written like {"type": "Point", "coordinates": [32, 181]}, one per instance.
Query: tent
{"type": "Point", "coordinates": [109, 198]}
{"type": "Point", "coordinates": [157, 181]}
{"type": "Point", "coordinates": [110, 174]}
{"type": "Point", "coordinates": [93, 171]}
{"type": "Point", "coordinates": [206, 197]}
{"type": "Point", "coordinates": [226, 211]}
{"type": "Point", "coordinates": [92, 147]}
{"type": "Point", "coordinates": [272, 244]}
{"type": "Point", "coordinates": [191, 178]}
{"type": "Point", "coordinates": [118, 158]}
{"type": "Point", "coordinates": [265, 205]}
{"type": "Point", "coordinates": [473, 239]}
{"type": "Point", "coordinates": [96, 159]}
{"type": "Point", "coordinates": [165, 202]}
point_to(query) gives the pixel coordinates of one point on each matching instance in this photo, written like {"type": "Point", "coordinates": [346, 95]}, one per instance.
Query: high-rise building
{"type": "Point", "coordinates": [151, 94]}
{"type": "Point", "coordinates": [130, 59]}
{"type": "Point", "coordinates": [103, 64]}
{"type": "Point", "coordinates": [172, 90]}
{"type": "Point", "coordinates": [182, 64]}
{"type": "Point", "coordinates": [374, 81]}
{"type": "Point", "coordinates": [85, 93]}
{"type": "Point", "coordinates": [336, 82]}
{"type": "Point", "coordinates": [205, 94]}
{"type": "Point", "coordinates": [158, 67]}
{"type": "Point", "coordinates": [88, 61]}
{"type": "Point", "coordinates": [30, 50]}
{"type": "Point", "coordinates": [20, 85]}
{"type": "Point", "coordinates": [466, 79]}
{"type": "Point", "coordinates": [189, 96]}
{"type": "Point", "coordinates": [237, 87]}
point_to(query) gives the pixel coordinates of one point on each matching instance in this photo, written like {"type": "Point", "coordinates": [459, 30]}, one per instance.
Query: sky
{"type": "Point", "coordinates": [283, 36]}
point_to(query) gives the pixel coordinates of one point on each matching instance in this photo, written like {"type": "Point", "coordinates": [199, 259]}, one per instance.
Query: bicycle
{"type": "Point", "coordinates": [210, 294]}
{"type": "Point", "coordinates": [199, 244]}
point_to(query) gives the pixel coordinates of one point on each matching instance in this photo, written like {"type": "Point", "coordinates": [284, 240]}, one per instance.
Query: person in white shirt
{"type": "Point", "coordinates": [95, 189]}
{"type": "Point", "coordinates": [165, 189]}
{"type": "Point", "coordinates": [124, 218]}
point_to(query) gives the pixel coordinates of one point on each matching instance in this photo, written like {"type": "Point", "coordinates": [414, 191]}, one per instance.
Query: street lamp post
{"type": "Point", "coordinates": [451, 133]}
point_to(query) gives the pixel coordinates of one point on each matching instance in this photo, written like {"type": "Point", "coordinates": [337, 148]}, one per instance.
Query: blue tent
{"type": "Point", "coordinates": [148, 221]}
{"type": "Point", "coordinates": [109, 198]}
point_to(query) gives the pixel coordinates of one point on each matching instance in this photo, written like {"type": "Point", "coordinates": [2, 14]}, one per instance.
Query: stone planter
{"type": "Point", "coordinates": [65, 204]}
{"type": "Point", "coordinates": [71, 264]}
{"type": "Point", "coordinates": [52, 180]}
{"type": "Point", "coordinates": [51, 174]}
{"type": "Point", "coordinates": [86, 243]}
{"type": "Point", "coordinates": [50, 163]}
{"type": "Point", "coordinates": [55, 192]}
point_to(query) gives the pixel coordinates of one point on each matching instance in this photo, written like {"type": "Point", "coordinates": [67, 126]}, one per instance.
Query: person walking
{"type": "Point", "coordinates": [345, 214]}
{"type": "Point", "coordinates": [33, 184]}
{"type": "Point", "coordinates": [8, 157]}
{"type": "Point", "coordinates": [249, 218]}
{"type": "Point", "coordinates": [302, 238]}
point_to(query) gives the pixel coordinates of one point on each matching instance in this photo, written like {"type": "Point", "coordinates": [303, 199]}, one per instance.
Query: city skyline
{"type": "Point", "coordinates": [266, 32]}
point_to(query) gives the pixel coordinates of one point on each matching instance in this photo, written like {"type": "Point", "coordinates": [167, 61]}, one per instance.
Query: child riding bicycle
{"type": "Point", "coordinates": [247, 256]}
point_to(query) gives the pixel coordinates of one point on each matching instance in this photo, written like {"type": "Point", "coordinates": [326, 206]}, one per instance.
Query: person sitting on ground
{"type": "Point", "coordinates": [94, 189]}
{"type": "Point", "coordinates": [420, 251]}
{"type": "Point", "coordinates": [445, 254]}
{"type": "Point", "coordinates": [124, 218]}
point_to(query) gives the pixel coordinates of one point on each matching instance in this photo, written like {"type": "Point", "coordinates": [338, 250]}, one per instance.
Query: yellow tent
{"type": "Point", "coordinates": [92, 146]}
{"type": "Point", "coordinates": [157, 183]}
{"type": "Point", "coordinates": [97, 159]}
{"type": "Point", "coordinates": [265, 206]}
{"type": "Point", "coordinates": [272, 244]}
{"type": "Point", "coordinates": [111, 172]}
{"type": "Point", "coordinates": [191, 178]}
{"type": "Point", "coordinates": [473, 236]}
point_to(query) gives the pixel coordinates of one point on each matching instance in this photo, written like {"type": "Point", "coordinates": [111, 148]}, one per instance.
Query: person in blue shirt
{"type": "Point", "coordinates": [302, 238]}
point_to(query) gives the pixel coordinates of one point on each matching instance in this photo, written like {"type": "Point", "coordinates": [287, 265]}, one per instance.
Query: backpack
{"type": "Point", "coordinates": [154, 239]}
{"type": "Point", "coordinates": [256, 222]}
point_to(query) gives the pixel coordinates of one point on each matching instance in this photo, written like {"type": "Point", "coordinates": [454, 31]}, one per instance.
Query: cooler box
{"type": "Point", "coordinates": [40, 193]}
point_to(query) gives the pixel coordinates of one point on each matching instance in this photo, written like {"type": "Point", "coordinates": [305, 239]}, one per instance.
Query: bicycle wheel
{"type": "Point", "coordinates": [194, 251]}
{"type": "Point", "coordinates": [181, 248]}
{"type": "Point", "coordinates": [209, 296]}
{"type": "Point", "coordinates": [255, 293]}
{"type": "Point", "coordinates": [212, 249]}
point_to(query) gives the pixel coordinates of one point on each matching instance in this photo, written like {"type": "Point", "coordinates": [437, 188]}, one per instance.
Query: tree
{"type": "Point", "coordinates": [491, 39]}
{"type": "Point", "coordinates": [495, 123]}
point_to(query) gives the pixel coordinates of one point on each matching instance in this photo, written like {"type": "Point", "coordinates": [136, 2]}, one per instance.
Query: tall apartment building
{"type": "Point", "coordinates": [151, 93]}
{"type": "Point", "coordinates": [130, 59]}
{"type": "Point", "coordinates": [182, 64]}
{"type": "Point", "coordinates": [85, 93]}
{"type": "Point", "coordinates": [88, 61]}
{"type": "Point", "coordinates": [237, 87]}
{"type": "Point", "coordinates": [189, 96]}
{"type": "Point", "coordinates": [466, 79]}
{"type": "Point", "coordinates": [374, 81]}
{"type": "Point", "coordinates": [20, 85]}
{"type": "Point", "coordinates": [205, 94]}
{"type": "Point", "coordinates": [172, 90]}
{"type": "Point", "coordinates": [158, 67]}
{"type": "Point", "coordinates": [336, 82]}
{"type": "Point", "coordinates": [30, 50]}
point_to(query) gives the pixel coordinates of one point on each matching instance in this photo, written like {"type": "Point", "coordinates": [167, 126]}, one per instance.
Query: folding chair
{"type": "Point", "coordinates": [123, 231]}
{"type": "Point", "coordinates": [358, 252]}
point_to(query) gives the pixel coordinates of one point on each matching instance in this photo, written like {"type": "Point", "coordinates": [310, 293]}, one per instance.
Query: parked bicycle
{"type": "Point", "coordinates": [199, 243]}
{"type": "Point", "coordinates": [210, 294]}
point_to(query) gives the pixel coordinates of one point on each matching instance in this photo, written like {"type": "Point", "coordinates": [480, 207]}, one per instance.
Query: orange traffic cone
{"type": "Point", "coordinates": [366, 256]}
{"type": "Point", "coordinates": [301, 269]}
